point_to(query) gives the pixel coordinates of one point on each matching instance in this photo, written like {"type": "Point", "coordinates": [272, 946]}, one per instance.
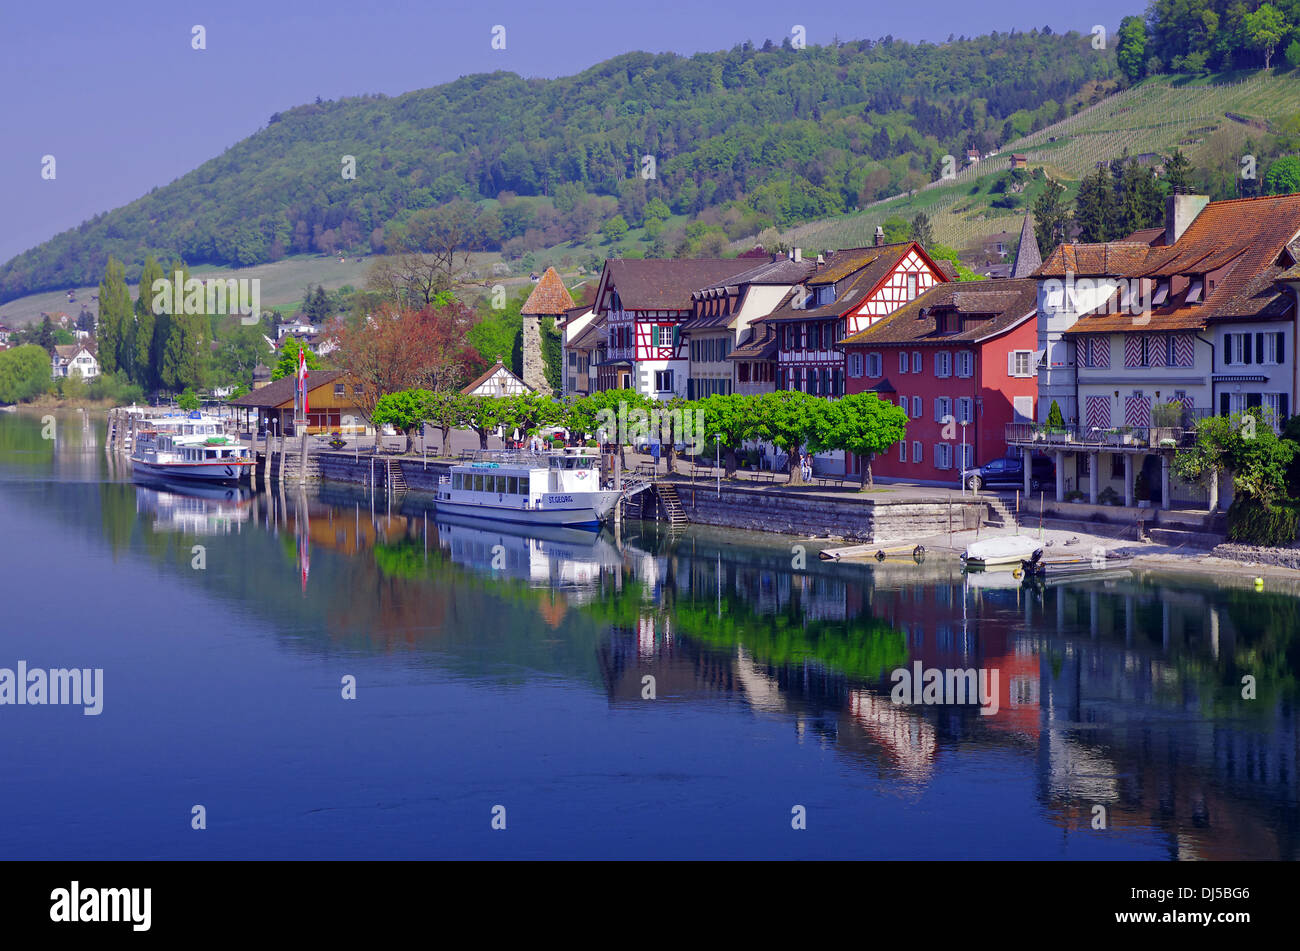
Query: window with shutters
{"type": "Point", "coordinates": [855, 365]}
{"type": "Point", "coordinates": [663, 335]}
{"type": "Point", "coordinates": [874, 365]}
{"type": "Point", "coordinates": [916, 361]}
{"type": "Point", "coordinates": [902, 361]}
{"type": "Point", "coordinates": [918, 453]}
{"type": "Point", "coordinates": [902, 450]}
{"type": "Point", "coordinates": [943, 364]}
{"type": "Point", "coordinates": [902, 402]}
{"type": "Point", "coordinates": [942, 455]}
{"type": "Point", "coordinates": [917, 410]}
{"type": "Point", "coordinates": [965, 409]}
{"type": "Point", "coordinates": [942, 408]}
{"type": "Point", "coordinates": [1020, 363]}
{"type": "Point", "coordinates": [965, 363]}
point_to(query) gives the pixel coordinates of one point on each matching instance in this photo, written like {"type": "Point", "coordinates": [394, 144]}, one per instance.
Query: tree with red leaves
{"type": "Point", "coordinates": [392, 349]}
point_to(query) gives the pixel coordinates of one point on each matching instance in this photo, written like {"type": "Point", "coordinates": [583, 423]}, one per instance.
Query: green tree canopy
{"type": "Point", "coordinates": [859, 424]}
{"type": "Point", "coordinates": [286, 364]}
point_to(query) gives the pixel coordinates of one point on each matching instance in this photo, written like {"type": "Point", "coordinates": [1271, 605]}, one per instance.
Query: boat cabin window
{"type": "Point", "coordinates": [512, 485]}
{"type": "Point", "coordinates": [572, 462]}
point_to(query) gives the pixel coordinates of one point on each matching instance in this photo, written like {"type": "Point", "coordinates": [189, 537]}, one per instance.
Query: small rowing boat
{"type": "Point", "coordinates": [1099, 563]}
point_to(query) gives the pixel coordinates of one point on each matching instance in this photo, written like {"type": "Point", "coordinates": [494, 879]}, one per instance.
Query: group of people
{"type": "Point", "coordinates": [806, 465]}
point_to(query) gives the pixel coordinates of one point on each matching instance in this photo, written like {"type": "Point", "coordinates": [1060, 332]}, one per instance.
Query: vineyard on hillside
{"type": "Point", "coordinates": [1209, 122]}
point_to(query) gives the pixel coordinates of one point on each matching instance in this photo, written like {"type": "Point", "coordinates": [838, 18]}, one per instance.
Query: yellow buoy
{"type": "Point", "coordinates": [1259, 583]}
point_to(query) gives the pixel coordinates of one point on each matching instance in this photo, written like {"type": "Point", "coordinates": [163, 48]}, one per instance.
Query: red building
{"type": "Point", "coordinates": [850, 290]}
{"type": "Point", "coordinates": [959, 353]}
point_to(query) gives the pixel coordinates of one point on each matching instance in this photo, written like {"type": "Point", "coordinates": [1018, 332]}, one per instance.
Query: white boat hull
{"type": "Point", "coordinates": [588, 509]}
{"type": "Point", "coordinates": [219, 473]}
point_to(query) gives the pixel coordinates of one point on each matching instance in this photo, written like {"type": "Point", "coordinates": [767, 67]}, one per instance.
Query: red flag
{"type": "Point", "coordinates": [302, 377]}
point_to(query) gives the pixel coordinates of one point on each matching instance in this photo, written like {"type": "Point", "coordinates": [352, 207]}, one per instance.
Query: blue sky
{"type": "Point", "coordinates": [116, 94]}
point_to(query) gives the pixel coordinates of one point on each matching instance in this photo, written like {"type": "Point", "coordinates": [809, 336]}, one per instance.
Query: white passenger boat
{"type": "Point", "coordinates": [189, 447]}
{"type": "Point", "coordinates": [1003, 550]}
{"type": "Point", "coordinates": [561, 488]}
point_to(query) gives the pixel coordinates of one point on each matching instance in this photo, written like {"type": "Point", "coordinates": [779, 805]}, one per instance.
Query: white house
{"type": "Point", "coordinates": [73, 360]}
{"type": "Point", "coordinates": [496, 381]}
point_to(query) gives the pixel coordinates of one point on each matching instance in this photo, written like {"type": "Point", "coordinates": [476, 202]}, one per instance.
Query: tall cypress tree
{"type": "Point", "coordinates": [1178, 171]}
{"type": "Point", "coordinates": [1095, 206]}
{"type": "Point", "coordinates": [185, 345]}
{"type": "Point", "coordinates": [114, 318]}
{"type": "Point", "coordinates": [1051, 218]}
{"type": "Point", "coordinates": [144, 371]}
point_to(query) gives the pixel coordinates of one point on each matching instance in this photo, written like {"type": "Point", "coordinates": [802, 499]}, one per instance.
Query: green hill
{"type": "Point", "coordinates": [742, 140]}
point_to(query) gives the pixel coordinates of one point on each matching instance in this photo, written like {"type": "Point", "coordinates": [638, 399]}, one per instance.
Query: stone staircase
{"type": "Point", "coordinates": [1001, 516]}
{"type": "Point", "coordinates": [1182, 534]}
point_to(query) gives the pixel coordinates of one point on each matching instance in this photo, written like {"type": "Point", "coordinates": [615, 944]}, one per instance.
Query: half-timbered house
{"type": "Point", "coordinates": [642, 306]}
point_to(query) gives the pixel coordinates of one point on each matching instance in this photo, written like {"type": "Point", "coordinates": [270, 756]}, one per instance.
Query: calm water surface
{"type": "Point", "coordinates": [521, 685]}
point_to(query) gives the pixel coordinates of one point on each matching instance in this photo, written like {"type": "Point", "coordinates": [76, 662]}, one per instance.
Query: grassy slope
{"type": "Point", "coordinates": [282, 284]}
{"type": "Point", "coordinates": [1155, 116]}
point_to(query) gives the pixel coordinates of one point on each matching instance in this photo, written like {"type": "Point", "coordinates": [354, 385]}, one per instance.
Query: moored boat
{"type": "Point", "coordinates": [561, 488]}
{"type": "Point", "coordinates": [191, 448]}
{"type": "Point", "coordinates": [1003, 550]}
{"type": "Point", "coordinates": [1037, 568]}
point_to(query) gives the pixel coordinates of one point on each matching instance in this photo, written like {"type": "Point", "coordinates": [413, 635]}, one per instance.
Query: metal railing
{"type": "Point", "coordinates": [1121, 437]}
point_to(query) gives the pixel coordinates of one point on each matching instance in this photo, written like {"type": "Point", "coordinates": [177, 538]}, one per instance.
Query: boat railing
{"type": "Point", "coordinates": [523, 457]}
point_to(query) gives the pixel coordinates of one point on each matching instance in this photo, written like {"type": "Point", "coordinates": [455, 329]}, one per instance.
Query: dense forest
{"type": "Point", "coordinates": [738, 141]}
{"type": "Point", "coordinates": [1201, 36]}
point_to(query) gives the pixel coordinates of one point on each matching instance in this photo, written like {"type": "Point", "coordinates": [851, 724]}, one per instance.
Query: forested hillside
{"type": "Point", "coordinates": [741, 140]}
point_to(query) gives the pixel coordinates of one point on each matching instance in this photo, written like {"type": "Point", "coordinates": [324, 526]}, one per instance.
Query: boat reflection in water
{"type": "Point", "coordinates": [569, 559]}
{"type": "Point", "coordinates": [193, 508]}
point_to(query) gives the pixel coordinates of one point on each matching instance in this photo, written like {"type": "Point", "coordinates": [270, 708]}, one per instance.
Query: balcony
{"type": "Point", "coordinates": [1117, 438]}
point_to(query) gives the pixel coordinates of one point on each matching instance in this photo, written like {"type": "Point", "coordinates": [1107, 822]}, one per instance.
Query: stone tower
{"type": "Point", "coordinates": [550, 298]}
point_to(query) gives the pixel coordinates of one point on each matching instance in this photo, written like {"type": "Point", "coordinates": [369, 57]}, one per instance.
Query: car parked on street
{"type": "Point", "coordinates": [1010, 473]}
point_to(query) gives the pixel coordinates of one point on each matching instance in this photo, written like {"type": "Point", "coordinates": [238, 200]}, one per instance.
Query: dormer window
{"type": "Point", "coordinates": [825, 295]}
{"type": "Point", "coordinates": [1162, 293]}
{"type": "Point", "coordinates": [1194, 290]}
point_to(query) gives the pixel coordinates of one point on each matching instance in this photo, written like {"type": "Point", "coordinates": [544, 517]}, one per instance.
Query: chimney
{"type": "Point", "coordinates": [1180, 212]}
{"type": "Point", "coordinates": [798, 255]}
{"type": "Point", "coordinates": [880, 235]}
{"type": "Point", "coordinates": [821, 259]}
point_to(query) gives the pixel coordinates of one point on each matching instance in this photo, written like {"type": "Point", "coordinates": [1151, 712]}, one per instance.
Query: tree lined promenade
{"type": "Point", "coordinates": [732, 426]}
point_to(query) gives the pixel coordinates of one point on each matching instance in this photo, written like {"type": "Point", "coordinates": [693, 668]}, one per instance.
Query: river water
{"type": "Point", "coordinates": [506, 680]}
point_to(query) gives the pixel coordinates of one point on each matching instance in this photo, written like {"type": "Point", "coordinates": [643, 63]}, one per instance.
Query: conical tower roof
{"type": "Point", "coordinates": [1028, 260]}
{"type": "Point", "coordinates": [550, 297]}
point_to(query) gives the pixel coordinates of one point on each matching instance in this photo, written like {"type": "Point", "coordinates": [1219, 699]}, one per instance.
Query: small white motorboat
{"type": "Point", "coordinates": [1003, 550]}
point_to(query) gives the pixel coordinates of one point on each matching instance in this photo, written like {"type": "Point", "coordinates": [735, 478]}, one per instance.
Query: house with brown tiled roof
{"type": "Point", "coordinates": [74, 359]}
{"type": "Point", "coordinates": [958, 360]}
{"type": "Point", "coordinates": [641, 305]}
{"type": "Point", "coordinates": [579, 337]}
{"type": "Point", "coordinates": [1142, 337]}
{"type": "Point", "coordinates": [723, 315]}
{"type": "Point", "coordinates": [848, 291]}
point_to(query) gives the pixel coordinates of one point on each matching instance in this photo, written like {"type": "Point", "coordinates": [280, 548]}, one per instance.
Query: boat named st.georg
{"type": "Point", "coordinates": [190, 448]}
{"type": "Point", "coordinates": [561, 488]}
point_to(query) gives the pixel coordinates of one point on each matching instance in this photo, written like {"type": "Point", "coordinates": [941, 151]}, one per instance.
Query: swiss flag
{"type": "Point", "coordinates": [302, 377]}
